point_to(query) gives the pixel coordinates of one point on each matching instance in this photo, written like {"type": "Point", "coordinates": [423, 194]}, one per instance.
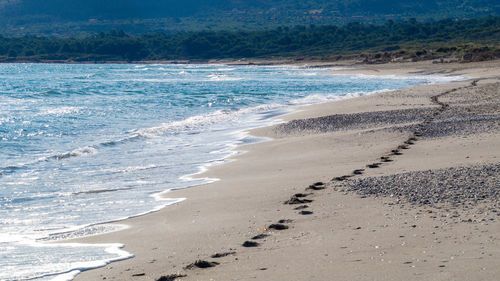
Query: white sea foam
{"type": "Point", "coordinates": [319, 98]}
{"type": "Point", "coordinates": [199, 121]}
{"type": "Point", "coordinates": [65, 270]}
{"type": "Point", "coordinates": [222, 77]}
{"type": "Point", "coordinates": [131, 169]}
{"type": "Point", "coordinates": [190, 123]}
{"type": "Point", "coordinates": [84, 151]}
{"type": "Point", "coordinates": [63, 110]}
{"type": "Point", "coordinates": [428, 78]}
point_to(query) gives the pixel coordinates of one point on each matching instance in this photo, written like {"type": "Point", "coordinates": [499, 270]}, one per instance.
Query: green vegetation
{"type": "Point", "coordinates": [475, 39]}
{"type": "Point", "coordinates": [80, 18]}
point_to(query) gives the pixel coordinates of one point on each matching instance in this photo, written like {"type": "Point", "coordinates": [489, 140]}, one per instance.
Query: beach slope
{"type": "Point", "coordinates": [402, 185]}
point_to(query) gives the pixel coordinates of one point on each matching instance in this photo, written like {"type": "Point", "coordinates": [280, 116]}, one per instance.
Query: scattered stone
{"type": "Point", "coordinates": [138, 274]}
{"type": "Point", "coordinates": [374, 165]}
{"type": "Point", "coordinates": [468, 112]}
{"type": "Point", "coordinates": [305, 212]}
{"type": "Point", "coordinates": [301, 207]}
{"type": "Point", "coordinates": [459, 186]}
{"type": "Point", "coordinates": [358, 171]}
{"type": "Point", "coordinates": [364, 120]}
{"type": "Point", "coordinates": [285, 221]}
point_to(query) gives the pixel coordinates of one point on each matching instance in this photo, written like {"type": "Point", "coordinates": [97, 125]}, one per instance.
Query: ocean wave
{"type": "Point", "coordinates": [151, 80]}
{"type": "Point", "coordinates": [84, 151]}
{"type": "Point", "coordinates": [58, 111]}
{"type": "Point", "coordinates": [187, 124]}
{"type": "Point", "coordinates": [131, 169]}
{"type": "Point", "coordinates": [97, 191]}
{"type": "Point", "coordinates": [318, 98]}
{"type": "Point", "coordinates": [199, 121]}
{"type": "Point", "coordinates": [428, 78]}
{"type": "Point", "coordinates": [222, 77]}
{"type": "Point", "coordinates": [49, 93]}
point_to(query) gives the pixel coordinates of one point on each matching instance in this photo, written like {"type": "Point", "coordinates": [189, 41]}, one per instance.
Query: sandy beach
{"type": "Point", "coordinates": [400, 185]}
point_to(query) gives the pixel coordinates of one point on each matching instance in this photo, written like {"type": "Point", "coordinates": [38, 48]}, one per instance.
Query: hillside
{"type": "Point", "coordinates": [63, 18]}
{"type": "Point", "coordinates": [474, 39]}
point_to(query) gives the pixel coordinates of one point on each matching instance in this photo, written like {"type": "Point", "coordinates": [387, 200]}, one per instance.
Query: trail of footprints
{"type": "Point", "coordinates": [302, 200]}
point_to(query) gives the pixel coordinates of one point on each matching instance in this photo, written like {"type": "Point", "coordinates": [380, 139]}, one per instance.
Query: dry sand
{"type": "Point", "coordinates": [372, 226]}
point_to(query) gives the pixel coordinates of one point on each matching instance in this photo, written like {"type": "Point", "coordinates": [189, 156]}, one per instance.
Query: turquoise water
{"type": "Point", "coordinates": [87, 144]}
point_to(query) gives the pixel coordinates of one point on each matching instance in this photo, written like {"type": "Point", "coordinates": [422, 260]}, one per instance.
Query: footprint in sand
{"type": "Point", "coordinates": [297, 200]}
{"type": "Point", "coordinates": [201, 264]}
{"type": "Point", "coordinates": [221, 255]}
{"type": "Point", "coordinates": [250, 244]}
{"type": "Point", "coordinates": [278, 226]}
{"type": "Point", "coordinates": [316, 186]}
{"type": "Point", "coordinates": [260, 236]}
{"type": "Point", "coordinates": [171, 277]}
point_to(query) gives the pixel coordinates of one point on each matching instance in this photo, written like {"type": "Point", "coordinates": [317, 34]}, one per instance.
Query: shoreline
{"type": "Point", "coordinates": [314, 172]}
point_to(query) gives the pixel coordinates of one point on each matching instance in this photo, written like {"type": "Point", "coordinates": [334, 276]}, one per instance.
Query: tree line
{"type": "Point", "coordinates": [300, 41]}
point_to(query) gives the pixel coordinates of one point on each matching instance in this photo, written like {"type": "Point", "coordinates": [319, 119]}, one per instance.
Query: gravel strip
{"type": "Point", "coordinates": [469, 112]}
{"type": "Point", "coordinates": [460, 125]}
{"type": "Point", "coordinates": [363, 120]}
{"type": "Point", "coordinates": [459, 186]}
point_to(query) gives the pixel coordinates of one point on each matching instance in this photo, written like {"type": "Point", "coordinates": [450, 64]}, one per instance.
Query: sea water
{"type": "Point", "coordinates": [81, 145]}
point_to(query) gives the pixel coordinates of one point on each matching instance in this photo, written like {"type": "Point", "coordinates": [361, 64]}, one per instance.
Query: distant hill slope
{"type": "Point", "coordinates": [80, 17]}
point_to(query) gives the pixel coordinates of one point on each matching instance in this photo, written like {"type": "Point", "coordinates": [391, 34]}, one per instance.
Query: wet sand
{"type": "Point", "coordinates": [401, 185]}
